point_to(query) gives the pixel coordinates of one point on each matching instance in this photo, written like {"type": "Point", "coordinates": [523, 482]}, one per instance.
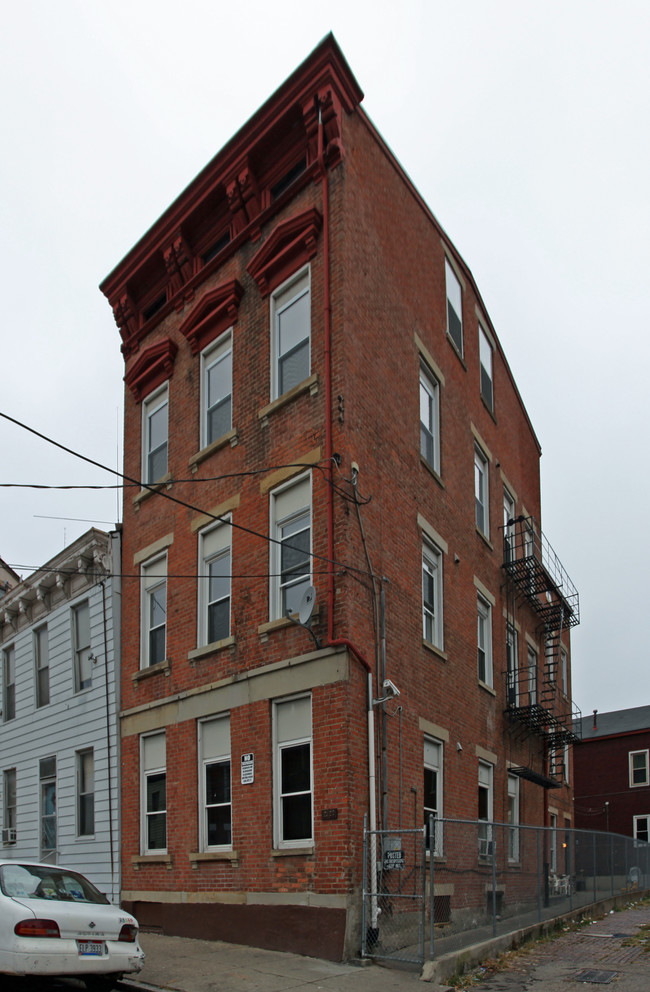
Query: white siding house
{"type": "Point", "coordinates": [59, 747]}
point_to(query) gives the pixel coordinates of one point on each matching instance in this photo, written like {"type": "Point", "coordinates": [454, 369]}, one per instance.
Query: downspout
{"type": "Point", "coordinates": [331, 640]}
{"type": "Point", "coordinates": [108, 742]}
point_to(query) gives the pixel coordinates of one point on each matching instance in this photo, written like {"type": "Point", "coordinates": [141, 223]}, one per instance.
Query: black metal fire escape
{"type": "Point", "coordinates": [537, 698]}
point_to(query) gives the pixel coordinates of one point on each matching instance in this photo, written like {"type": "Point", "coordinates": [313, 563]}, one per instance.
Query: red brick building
{"type": "Point", "coordinates": [320, 420]}
{"type": "Point", "coordinates": [612, 773]}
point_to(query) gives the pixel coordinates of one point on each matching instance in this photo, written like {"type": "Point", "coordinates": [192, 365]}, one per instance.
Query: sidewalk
{"type": "Point", "coordinates": [613, 950]}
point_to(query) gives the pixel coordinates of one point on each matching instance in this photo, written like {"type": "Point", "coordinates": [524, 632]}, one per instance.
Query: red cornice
{"type": "Point", "coordinates": [216, 311]}
{"type": "Point", "coordinates": [153, 367]}
{"type": "Point", "coordinates": [290, 245]}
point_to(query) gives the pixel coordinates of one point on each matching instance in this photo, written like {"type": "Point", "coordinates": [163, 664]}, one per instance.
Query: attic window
{"type": "Point", "coordinates": [214, 250]}
{"type": "Point", "coordinates": [288, 178]}
{"type": "Point", "coordinates": [153, 308]}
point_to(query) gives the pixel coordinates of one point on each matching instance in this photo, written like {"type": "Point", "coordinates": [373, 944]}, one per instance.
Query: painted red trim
{"type": "Point", "coordinates": [153, 367]}
{"type": "Point", "coordinates": [291, 244]}
{"type": "Point", "coordinates": [217, 311]}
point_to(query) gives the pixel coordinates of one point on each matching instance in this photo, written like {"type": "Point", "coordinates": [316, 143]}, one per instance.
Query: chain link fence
{"type": "Point", "coordinates": [484, 880]}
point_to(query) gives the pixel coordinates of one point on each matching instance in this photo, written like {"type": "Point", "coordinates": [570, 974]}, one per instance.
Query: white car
{"type": "Point", "coordinates": [54, 922]}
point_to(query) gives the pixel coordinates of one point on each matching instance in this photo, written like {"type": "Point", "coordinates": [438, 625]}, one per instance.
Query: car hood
{"type": "Point", "coordinates": [90, 921]}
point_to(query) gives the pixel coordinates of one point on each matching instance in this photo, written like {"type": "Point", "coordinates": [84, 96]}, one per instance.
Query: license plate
{"type": "Point", "coordinates": [90, 948]}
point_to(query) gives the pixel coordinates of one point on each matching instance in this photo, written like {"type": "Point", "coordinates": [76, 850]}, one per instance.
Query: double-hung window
{"type": "Point", "coordinates": [641, 826]}
{"type": "Point", "coordinates": [485, 808]}
{"type": "Point", "coordinates": [85, 792]}
{"type": "Point", "coordinates": [513, 818]}
{"type": "Point", "coordinates": [432, 629]}
{"type": "Point", "coordinates": [512, 666]}
{"type": "Point", "coordinates": [454, 307]}
{"type": "Point", "coordinates": [639, 768]}
{"type": "Point", "coordinates": [481, 492]}
{"type": "Point", "coordinates": [484, 640]}
{"type": "Point", "coordinates": [81, 640]}
{"type": "Point", "coordinates": [155, 433]}
{"type": "Point", "coordinates": [216, 802]}
{"type": "Point", "coordinates": [291, 546]}
{"type": "Point", "coordinates": [41, 666]}
{"type": "Point", "coordinates": [153, 802]}
{"type": "Point", "coordinates": [293, 772]}
{"type": "Point", "coordinates": [9, 806]}
{"type": "Point", "coordinates": [214, 584]}
{"type": "Point", "coordinates": [291, 333]}
{"type": "Point", "coordinates": [429, 419]}
{"type": "Point", "coordinates": [47, 784]}
{"type": "Point", "coordinates": [9, 683]}
{"type": "Point", "coordinates": [508, 527]}
{"type": "Point", "coordinates": [485, 360]}
{"type": "Point", "coordinates": [154, 612]}
{"type": "Point", "coordinates": [564, 671]}
{"type": "Point", "coordinates": [216, 385]}
{"type": "Point", "coordinates": [532, 676]}
{"type": "Point", "coordinates": [433, 754]}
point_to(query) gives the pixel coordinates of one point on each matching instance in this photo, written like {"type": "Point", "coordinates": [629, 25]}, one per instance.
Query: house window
{"type": "Point", "coordinates": [482, 511]}
{"type": "Point", "coordinates": [485, 358]}
{"type": "Point", "coordinates": [553, 842]}
{"type": "Point", "coordinates": [293, 772]}
{"type": "Point", "coordinates": [216, 399]}
{"type": "Point", "coordinates": [85, 792]}
{"type": "Point", "coordinates": [433, 792]}
{"type": "Point", "coordinates": [432, 630]}
{"type": "Point", "coordinates": [9, 683]}
{"type": "Point", "coordinates": [155, 435]}
{"type": "Point", "coordinates": [214, 585]}
{"type": "Point", "coordinates": [484, 639]}
{"type": "Point", "coordinates": [566, 763]}
{"type": "Point", "coordinates": [216, 802]}
{"type": "Point", "coordinates": [564, 663]}
{"type": "Point", "coordinates": [638, 768]}
{"type": "Point", "coordinates": [512, 666]}
{"type": "Point", "coordinates": [508, 527]}
{"type": "Point", "coordinates": [81, 641]}
{"type": "Point", "coordinates": [532, 676]}
{"type": "Point", "coordinates": [454, 307]}
{"type": "Point", "coordinates": [47, 783]}
{"type": "Point", "coordinates": [42, 666]}
{"type": "Point", "coordinates": [154, 793]}
{"type": "Point", "coordinates": [641, 828]}
{"type": "Point", "coordinates": [513, 818]}
{"type": "Point", "coordinates": [154, 612]}
{"type": "Point", "coordinates": [291, 547]}
{"type": "Point", "coordinates": [291, 333]}
{"type": "Point", "coordinates": [429, 419]}
{"type": "Point", "coordinates": [9, 807]}
{"type": "Point", "coordinates": [485, 806]}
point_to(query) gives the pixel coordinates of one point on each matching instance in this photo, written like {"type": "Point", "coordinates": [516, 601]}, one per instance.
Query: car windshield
{"type": "Point", "coordinates": [44, 882]}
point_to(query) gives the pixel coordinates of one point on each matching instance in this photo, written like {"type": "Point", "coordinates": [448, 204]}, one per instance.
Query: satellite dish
{"type": "Point", "coordinates": [307, 604]}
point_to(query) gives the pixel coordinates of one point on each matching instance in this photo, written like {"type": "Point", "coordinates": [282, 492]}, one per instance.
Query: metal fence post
{"type": "Point", "coordinates": [594, 862]}
{"type": "Point", "coordinates": [611, 860]}
{"type": "Point", "coordinates": [538, 832]}
{"type": "Point", "coordinates": [494, 882]}
{"type": "Point", "coordinates": [432, 902]}
{"type": "Point", "coordinates": [364, 920]}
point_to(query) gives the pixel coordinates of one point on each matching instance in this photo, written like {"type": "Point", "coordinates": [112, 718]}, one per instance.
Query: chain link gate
{"type": "Point", "coordinates": [394, 919]}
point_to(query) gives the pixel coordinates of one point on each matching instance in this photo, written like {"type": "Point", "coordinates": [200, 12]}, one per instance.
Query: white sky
{"type": "Point", "coordinates": [524, 125]}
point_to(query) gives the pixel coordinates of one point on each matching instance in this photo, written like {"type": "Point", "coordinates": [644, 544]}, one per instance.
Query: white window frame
{"type": "Point", "coordinates": [152, 405]}
{"type": "Point", "coordinates": [210, 754]}
{"type": "Point", "coordinates": [454, 294]}
{"type": "Point", "coordinates": [294, 289]}
{"type": "Point", "coordinates": [486, 373]}
{"type": "Point", "coordinates": [481, 492]}
{"type": "Point", "coordinates": [509, 550]}
{"type": "Point", "coordinates": [153, 747]}
{"type": "Point", "coordinates": [641, 824]}
{"type": "Point", "coordinates": [283, 740]}
{"type": "Point", "coordinates": [532, 665]}
{"type": "Point", "coordinates": [432, 605]}
{"type": "Point", "coordinates": [512, 665]}
{"type": "Point", "coordinates": [486, 786]}
{"type": "Point", "coordinates": [41, 666]}
{"type": "Point", "coordinates": [153, 595]}
{"type": "Point", "coordinates": [215, 549]}
{"type": "Point", "coordinates": [564, 671]}
{"type": "Point", "coordinates": [9, 683]}
{"type": "Point", "coordinates": [85, 792]}
{"type": "Point", "coordinates": [513, 817]}
{"type": "Point", "coordinates": [83, 676]}
{"type": "Point", "coordinates": [643, 767]}
{"type": "Point", "coordinates": [429, 418]}
{"type": "Point", "coordinates": [218, 354]}
{"type": "Point", "coordinates": [484, 640]}
{"type": "Point", "coordinates": [433, 762]}
{"type": "Point", "coordinates": [47, 809]}
{"type": "Point", "coordinates": [553, 843]}
{"type": "Point", "coordinates": [9, 802]}
{"type": "Point", "coordinates": [291, 516]}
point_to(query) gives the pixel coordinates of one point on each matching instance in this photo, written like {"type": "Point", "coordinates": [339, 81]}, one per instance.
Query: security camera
{"type": "Point", "coordinates": [390, 688]}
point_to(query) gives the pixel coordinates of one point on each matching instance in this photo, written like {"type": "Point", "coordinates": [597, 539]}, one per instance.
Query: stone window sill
{"type": "Point", "coordinates": [231, 438]}
{"type": "Point", "coordinates": [162, 668]}
{"type": "Point", "coordinates": [309, 385]}
{"type": "Point", "coordinates": [198, 654]}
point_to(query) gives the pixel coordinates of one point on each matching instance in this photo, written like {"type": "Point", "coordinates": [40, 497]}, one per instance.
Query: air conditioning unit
{"type": "Point", "coordinates": [485, 847]}
{"type": "Point", "coordinates": [8, 835]}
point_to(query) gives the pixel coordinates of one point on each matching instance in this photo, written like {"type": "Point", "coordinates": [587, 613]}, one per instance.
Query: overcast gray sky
{"type": "Point", "coordinates": [524, 125]}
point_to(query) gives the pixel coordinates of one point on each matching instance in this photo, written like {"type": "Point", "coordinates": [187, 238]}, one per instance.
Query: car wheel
{"type": "Point", "coordinates": [101, 983]}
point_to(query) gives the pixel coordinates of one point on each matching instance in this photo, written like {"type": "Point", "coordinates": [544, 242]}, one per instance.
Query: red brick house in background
{"type": "Point", "coordinates": [321, 422]}
{"type": "Point", "coordinates": [612, 773]}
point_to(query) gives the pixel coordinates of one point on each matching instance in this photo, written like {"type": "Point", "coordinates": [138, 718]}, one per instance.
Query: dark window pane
{"type": "Point", "coordinates": [296, 817]}
{"type": "Point", "coordinates": [293, 367]}
{"type": "Point", "coordinates": [217, 782]}
{"type": "Point", "coordinates": [157, 831]}
{"type": "Point", "coordinates": [86, 814]}
{"type": "Point", "coordinates": [219, 419]}
{"type": "Point", "coordinates": [156, 792]}
{"type": "Point", "coordinates": [219, 828]}
{"type": "Point", "coordinates": [218, 621]}
{"type": "Point", "coordinates": [296, 771]}
{"type": "Point", "coordinates": [455, 327]}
